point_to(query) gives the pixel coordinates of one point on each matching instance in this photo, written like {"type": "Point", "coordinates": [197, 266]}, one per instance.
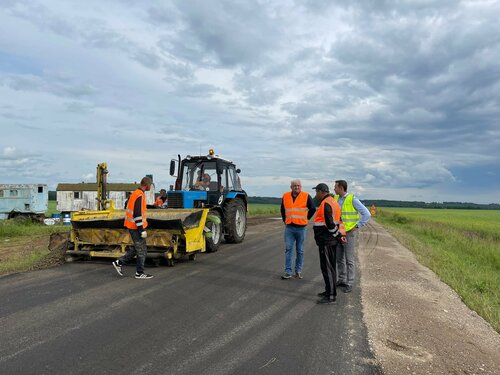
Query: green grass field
{"type": "Point", "coordinates": [258, 209]}
{"type": "Point", "coordinates": [461, 246]}
{"type": "Point", "coordinates": [52, 209]}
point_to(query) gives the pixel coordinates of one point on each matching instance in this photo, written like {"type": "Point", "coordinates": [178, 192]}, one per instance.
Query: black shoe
{"type": "Point", "coordinates": [286, 276]}
{"type": "Point", "coordinates": [341, 283]}
{"type": "Point", "coordinates": [325, 300]}
{"type": "Point", "coordinates": [143, 276]}
{"type": "Point", "coordinates": [322, 294]}
{"type": "Point", "coordinates": [118, 267]}
{"type": "Point", "coordinates": [348, 289]}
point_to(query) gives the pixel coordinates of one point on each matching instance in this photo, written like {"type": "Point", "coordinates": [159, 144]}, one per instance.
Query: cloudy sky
{"type": "Point", "coordinates": [399, 98]}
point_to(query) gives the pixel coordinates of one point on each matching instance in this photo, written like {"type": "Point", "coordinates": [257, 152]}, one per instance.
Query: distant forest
{"type": "Point", "coordinates": [378, 203]}
{"type": "Point", "coordinates": [388, 203]}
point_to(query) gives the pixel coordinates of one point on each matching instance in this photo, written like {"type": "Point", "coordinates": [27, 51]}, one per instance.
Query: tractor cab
{"type": "Point", "coordinates": [204, 181]}
{"type": "Point", "coordinates": [211, 182]}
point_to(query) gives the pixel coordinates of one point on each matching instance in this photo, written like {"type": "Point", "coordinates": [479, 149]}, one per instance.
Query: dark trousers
{"type": "Point", "coordinates": [139, 250]}
{"type": "Point", "coordinates": [328, 268]}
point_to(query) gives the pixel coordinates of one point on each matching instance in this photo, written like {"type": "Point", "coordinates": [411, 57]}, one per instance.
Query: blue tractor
{"type": "Point", "coordinates": [211, 182]}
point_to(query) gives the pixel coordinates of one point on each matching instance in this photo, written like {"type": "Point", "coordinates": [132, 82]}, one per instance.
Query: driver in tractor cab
{"type": "Point", "coordinates": [203, 183]}
{"type": "Point", "coordinates": [161, 201]}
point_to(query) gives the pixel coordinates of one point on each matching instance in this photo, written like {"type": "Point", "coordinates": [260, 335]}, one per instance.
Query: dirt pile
{"type": "Point", "coordinates": [58, 244]}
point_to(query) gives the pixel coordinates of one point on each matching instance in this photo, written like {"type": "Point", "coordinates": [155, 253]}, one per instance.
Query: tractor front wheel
{"type": "Point", "coordinates": [235, 214]}
{"type": "Point", "coordinates": [213, 238]}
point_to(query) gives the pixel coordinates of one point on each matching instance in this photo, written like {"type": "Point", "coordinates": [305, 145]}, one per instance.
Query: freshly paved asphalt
{"type": "Point", "coordinates": [224, 313]}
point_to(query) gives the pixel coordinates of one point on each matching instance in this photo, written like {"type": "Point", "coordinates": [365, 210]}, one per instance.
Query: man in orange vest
{"type": "Point", "coordinates": [297, 207]}
{"type": "Point", "coordinates": [329, 232]}
{"type": "Point", "coordinates": [136, 222]}
{"type": "Point", "coordinates": [162, 198]}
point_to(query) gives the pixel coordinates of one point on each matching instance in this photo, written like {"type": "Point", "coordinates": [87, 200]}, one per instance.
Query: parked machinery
{"type": "Point", "coordinates": [211, 182]}
{"type": "Point", "coordinates": [198, 214]}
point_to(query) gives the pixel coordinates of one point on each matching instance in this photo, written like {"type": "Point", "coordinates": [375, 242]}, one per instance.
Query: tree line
{"type": "Point", "coordinates": [394, 203]}
{"type": "Point", "coordinates": [380, 203]}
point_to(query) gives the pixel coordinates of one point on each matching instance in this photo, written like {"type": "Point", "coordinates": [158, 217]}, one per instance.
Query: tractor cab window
{"type": "Point", "coordinates": [230, 179]}
{"type": "Point", "coordinates": [200, 176]}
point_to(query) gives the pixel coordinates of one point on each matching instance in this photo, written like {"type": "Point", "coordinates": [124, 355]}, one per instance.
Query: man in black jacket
{"type": "Point", "coordinates": [328, 233]}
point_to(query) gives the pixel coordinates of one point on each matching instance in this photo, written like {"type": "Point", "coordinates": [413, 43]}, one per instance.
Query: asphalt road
{"type": "Point", "coordinates": [224, 313]}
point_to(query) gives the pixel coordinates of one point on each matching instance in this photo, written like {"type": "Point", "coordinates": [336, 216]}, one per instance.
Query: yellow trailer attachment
{"type": "Point", "coordinates": [172, 233]}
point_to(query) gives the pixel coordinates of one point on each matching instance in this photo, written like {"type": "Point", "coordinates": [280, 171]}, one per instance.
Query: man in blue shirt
{"type": "Point", "coordinates": [354, 216]}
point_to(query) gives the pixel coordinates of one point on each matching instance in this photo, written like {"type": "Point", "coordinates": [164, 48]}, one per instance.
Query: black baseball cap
{"type": "Point", "coordinates": [322, 187]}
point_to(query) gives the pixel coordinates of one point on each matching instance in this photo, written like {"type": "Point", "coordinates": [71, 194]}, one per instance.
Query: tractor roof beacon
{"type": "Point", "coordinates": [211, 182]}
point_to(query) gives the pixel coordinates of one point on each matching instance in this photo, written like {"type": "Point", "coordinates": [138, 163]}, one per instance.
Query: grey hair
{"type": "Point", "coordinates": [295, 181]}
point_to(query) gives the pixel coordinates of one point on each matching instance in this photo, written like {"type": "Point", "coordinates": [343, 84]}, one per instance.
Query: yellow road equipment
{"type": "Point", "coordinates": [172, 234]}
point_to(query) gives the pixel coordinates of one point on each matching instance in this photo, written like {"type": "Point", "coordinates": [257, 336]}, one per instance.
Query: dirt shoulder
{"type": "Point", "coordinates": [416, 323]}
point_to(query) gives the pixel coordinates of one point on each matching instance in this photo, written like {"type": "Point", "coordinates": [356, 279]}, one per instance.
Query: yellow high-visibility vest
{"type": "Point", "coordinates": [350, 216]}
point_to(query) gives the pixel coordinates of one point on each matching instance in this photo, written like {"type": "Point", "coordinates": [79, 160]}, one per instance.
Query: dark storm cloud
{"type": "Point", "coordinates": [226, 33]}
{"type": "Point", "coordinates": [425, 75]}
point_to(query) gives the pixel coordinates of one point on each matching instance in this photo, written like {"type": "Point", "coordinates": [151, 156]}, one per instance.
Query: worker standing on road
{"type": "Point", "coordinates": [354, 216]}
{"type": "Point", "coordinates": [136, 223]}
{"type": "Point", "coordinates": [329, 232]}
{"type": "Point", "coordinates": [162, 198]}
{"type": "Point", "coordinates": [297, 207]}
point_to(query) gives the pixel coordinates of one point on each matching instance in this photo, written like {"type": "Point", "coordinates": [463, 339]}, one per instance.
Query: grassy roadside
{"type": "Point", "coordinates": [462, 248]}
{"type": "Point", "coordinates": [23, 244]}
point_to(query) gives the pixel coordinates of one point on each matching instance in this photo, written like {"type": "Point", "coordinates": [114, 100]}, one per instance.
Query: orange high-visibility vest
{"type": "Point", "coordinates": [319, 220]}
{"type": "Point", "coordinates": [159, 202]}
{"type": "Point", "coordinates": [296, 211]}
{"type": "Point", "coordinates": [131, 221]}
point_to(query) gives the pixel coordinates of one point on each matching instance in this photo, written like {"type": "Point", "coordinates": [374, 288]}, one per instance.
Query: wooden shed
{"type": "Point", "coordinates": [83, 196]}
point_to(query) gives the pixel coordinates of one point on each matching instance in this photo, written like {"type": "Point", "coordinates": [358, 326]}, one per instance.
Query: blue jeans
{"type": "Point", "coordinates": [294, 235]}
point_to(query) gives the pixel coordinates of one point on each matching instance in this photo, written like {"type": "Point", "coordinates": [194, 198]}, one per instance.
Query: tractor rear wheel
{"type": "Point", "coordinates": [213, 241]}
{"type": "Point", "coordinates": [235, 215]}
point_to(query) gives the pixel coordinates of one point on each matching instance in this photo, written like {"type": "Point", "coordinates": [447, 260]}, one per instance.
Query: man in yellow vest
{"type": "Point", "coordinates": [354, 216]}
{"type": "Point", "coordinates": [297, 207]}
{"type": "Point", "coordinates": [136, 222]}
